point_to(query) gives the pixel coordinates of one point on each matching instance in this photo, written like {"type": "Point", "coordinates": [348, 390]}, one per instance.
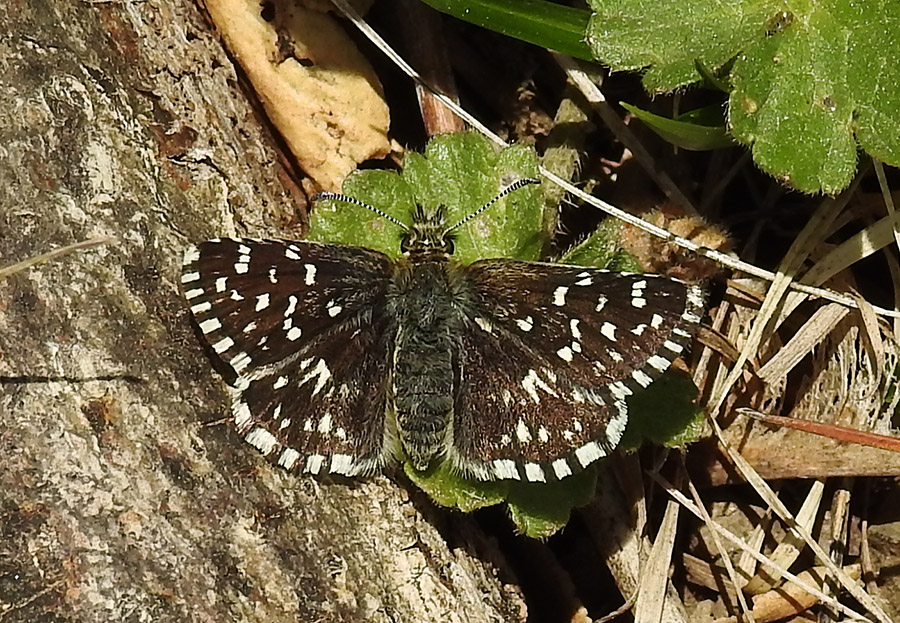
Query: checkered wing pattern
{"type": "Point", "coordinates": [300, 331]}
{"type": "Point", "coordinates": [547, 357]}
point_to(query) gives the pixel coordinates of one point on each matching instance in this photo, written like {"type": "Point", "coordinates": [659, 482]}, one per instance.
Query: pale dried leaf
{"type": "Point", "coordinates": [318, 90]}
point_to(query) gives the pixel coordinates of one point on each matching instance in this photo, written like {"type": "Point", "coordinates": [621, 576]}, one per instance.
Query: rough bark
{"type": "Point", "coordinates": [123, 494]}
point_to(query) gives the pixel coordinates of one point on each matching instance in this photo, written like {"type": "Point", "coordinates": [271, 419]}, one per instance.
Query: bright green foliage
{"type": "Point", "coordinates": [665, 413]}
{"type": "Point", "coordinates": [458, 171]}
{"type": "Point", "coordinates": [546, 24]}
{"type": "Point", "coordinates": [810, 80]}
{"type": "Point", "coordinates": [697, 130]}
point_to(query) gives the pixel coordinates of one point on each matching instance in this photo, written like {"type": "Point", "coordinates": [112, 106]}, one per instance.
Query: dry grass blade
{"type": "Point", "coordinates": [722, 552]}
{"type": "Point", "coordinates": [52, 255]}
{"type": "Point", "coordinates": [811, 334]}
{"type": "Point", "coordinates": [787, 272]}
{"type": "Point", "coordinates": [762, 488]}
{"type": "Point", "coordinates": [765, 560]}
{"type": "Point", "coordinates": [789, 600]}
{"type": "Point", "coordinates": [653, 594]}
{"type": "Point", "coordinates": [787, 551]}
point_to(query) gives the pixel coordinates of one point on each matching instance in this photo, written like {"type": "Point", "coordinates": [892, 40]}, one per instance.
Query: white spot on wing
{"type": "Point", "coordinates": [532, 382]}
{"type": "Point", "coordinates": [573, 327]}
{"type": "Point", "coordinates": [522, 432]}
{"type": "Point", "coordinates": [199, 308]}
{"type": "Point", "coordinates": [534, 473]}
{"type": "Point", "coordinates": [641, 377]}
{"type": "Point", "coordinates": [505, 469]}
{"type": "Point", "coordinates": [565, 353]}
{"type": "Point", "coordinates": [221, 284]}
{"type": "Point", "coordinates": [189, 277]}
{"type": "Point", "coordinates": [222, 345]}
{"type": "Point", "coordinates": [262, 440]}
{"type": "Point", "coordinates": [561, 468]}
{"type": "Point", "coordinates": [193, 293]}
{"type": "Point", "coordinates": [656, 321]}
{"type": "Point", "coordinates": [262, 301]}
{"type": "Point", "coordinates": [291, 254]}
{"type": "Point", "coordinates": [333, 310]}
{"type": "Point", "coordinates": [280, 382]}
{"type": "Point", "coordinates": [250, 326]}
{"type": "Point", "coordinates": [288, 457]}
{"type": "Point", "coordinates": [672, 346]}
{"type": "Point", "coordinates": [526, 323]}
{"type": "Point", "coordinates": [695, 296]}
{"type": "Point", "coordinates": [620, 390]}
{"type": "Point", "coordinates": [658, 363]}
{"type": "Point", "coordinates": [294, 334]}
{"type": "Point", "coordinates": [341, 464]}
{"type": "Point", "coordinates": [314, 463]}
{"type": "Point", "coordinates": [601, 303]}
{"type": "Point", "coordinates": [690, 317]}
{"type": "Point", "coordinates": [588, 453]}
{"type": "Point", "coordinates": [240, 361]}
{"type": "Point", "coordinates": [616, 427]}
{"type": "Point", "coordinates": [310, 278]}
{"type": "Point", "coordinates": [320, 372]}
{"type": "Point", "coordinates": [484, 324]}
{"type": "Point", "coordinates": [241, 268]}
{"type": "Point", "coordinates": [191, 255]}
{"type": "Point", "coordinates": [241, 413]}
{"type": "Point", "coordinates": [608, 330]}
{"type": "Point", "coordinates": [559, 296]}
{"type": "Point", "coordinates": [324, 426]}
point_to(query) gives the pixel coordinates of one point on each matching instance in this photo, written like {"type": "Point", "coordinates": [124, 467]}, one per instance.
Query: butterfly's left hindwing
{"type": "Point", "coordinates": [548, 355]}
{"type": "Point", "coordinates": [301, 332]}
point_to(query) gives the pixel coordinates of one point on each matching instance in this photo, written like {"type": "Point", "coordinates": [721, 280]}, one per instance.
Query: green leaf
{"type": "Point", "coordinates": [462, 172]}
{"type": "Point", "coordinates": [812, 81]}
{"type": "Point", "coordinates": [339, 222]}
{"type": "Point", "coordinates": [544, 24]}
{"type": "Point", "coordinates": [665, 413]}
{"type": "Point", "coordinates": [448, 489]}
{"type": "Point", "coordinates": [603, 249]}
{"type": "Point", "coordinates": [688, 130]}
{"type": "Point", "coordinates": [458, 171]}
{"type": "Point", "coordinates": [540, 510]}
{"type": "Point", "coordinates": [666, 39]}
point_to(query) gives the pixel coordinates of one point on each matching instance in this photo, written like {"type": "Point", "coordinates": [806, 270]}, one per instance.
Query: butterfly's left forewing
{"type": "Point", "coordinates": [549, 353]}
{"type": "Point", "coordinates": [303, 340]}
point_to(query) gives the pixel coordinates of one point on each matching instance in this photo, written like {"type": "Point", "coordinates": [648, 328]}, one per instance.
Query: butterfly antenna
{"type": "Point", "coordinates": [339, 197]}
{"type": "Point", "coordinates": [511, 188]}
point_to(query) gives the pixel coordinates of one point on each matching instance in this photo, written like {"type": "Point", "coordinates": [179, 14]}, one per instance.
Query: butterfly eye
{"type": "Point", "coordinates": [405, 243]}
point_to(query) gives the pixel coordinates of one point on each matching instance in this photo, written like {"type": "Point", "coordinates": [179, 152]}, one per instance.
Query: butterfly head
{"type": "Point", "coordinates": [428, 234]}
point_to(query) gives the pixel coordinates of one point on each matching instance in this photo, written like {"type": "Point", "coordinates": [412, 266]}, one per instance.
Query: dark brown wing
{"type": "Point", "coordinates": [300, 331]}
{"type": "Point", "coordinates": [547, 356]}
